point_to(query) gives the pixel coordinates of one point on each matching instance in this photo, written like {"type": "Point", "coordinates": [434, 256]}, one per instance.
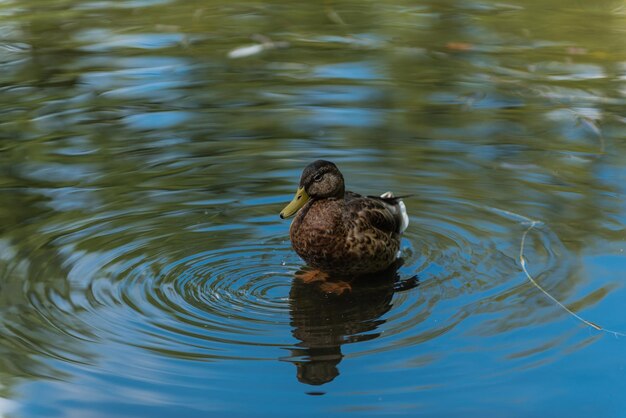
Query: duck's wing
{"type": "Point", "coordinates": [396, 206]}
{"type": "Point", "coordinates": [386, 213]}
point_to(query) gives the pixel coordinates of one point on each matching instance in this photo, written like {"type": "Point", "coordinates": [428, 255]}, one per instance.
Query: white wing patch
{"type": "Point", "coordinates": [405, 216]}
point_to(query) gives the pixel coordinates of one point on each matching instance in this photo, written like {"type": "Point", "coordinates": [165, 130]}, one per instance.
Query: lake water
{"type": "Point", "coordinates": [148, 147]}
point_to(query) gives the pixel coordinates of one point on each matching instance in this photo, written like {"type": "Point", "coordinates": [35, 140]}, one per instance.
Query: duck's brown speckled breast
{"type": "Point", "coordinates": [317, 233]}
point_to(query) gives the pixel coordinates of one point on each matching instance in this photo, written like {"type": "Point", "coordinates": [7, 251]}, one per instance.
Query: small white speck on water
{"type": "Point", "coordinates": [283, 263]}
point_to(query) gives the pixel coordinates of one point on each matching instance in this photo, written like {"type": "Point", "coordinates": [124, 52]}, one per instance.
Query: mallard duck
{"type": "Point", "coordinates": [341, 233]}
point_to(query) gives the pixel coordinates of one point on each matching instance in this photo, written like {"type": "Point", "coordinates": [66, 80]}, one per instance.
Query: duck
{"type": "Point", "coordinates": [341, 233]}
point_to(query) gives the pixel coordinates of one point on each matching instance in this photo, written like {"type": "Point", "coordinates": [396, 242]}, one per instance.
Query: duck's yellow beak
{"type": "Point", "coordinates": [298, 201]}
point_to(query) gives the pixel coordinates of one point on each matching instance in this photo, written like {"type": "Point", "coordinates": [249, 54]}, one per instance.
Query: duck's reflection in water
{"type": "Point", "coordinates": [325, 314]}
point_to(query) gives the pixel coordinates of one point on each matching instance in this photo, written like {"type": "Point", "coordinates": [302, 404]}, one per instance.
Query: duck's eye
{"type": "Point", "coordinates": [317, 177]}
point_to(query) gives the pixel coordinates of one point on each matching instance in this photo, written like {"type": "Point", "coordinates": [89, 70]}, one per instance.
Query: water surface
{"type": "Point", "coordinates": [148, 147]}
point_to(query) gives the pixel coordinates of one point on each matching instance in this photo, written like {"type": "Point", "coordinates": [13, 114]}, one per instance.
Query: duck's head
{"type": "Point", "coordinates": [320, 180]}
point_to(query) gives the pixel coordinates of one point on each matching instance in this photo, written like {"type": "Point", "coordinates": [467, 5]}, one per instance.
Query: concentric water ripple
{"type": "Point", "coordinates": [205, 304]}
{"type": "Point", "coordinates": [243, 301]}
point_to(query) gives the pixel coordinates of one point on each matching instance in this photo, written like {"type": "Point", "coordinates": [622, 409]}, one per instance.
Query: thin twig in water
{"type": "Point", "coordinates": [522, 261]}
